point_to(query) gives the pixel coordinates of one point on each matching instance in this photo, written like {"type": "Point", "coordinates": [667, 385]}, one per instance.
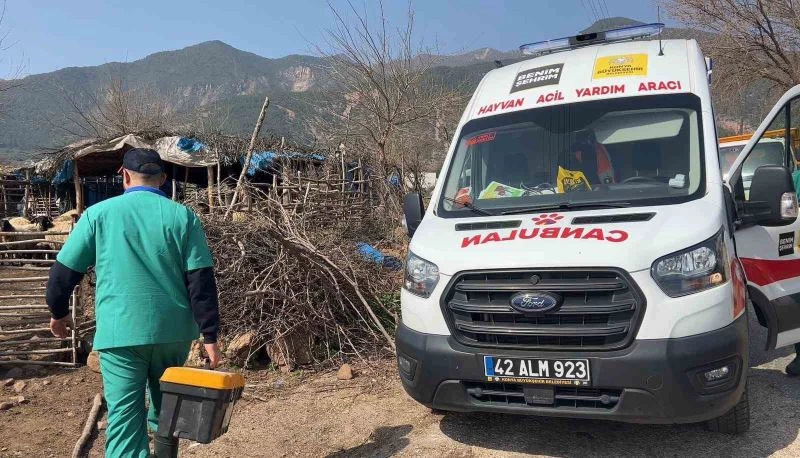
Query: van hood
{"type": "Point", "coordinates": [630, 238]}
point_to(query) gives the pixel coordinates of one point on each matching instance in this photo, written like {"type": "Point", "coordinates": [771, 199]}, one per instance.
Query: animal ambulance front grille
{"type": "Point", "coordinates": [512, 394]}
{"type": "Point", "coordinates": [600, 309]}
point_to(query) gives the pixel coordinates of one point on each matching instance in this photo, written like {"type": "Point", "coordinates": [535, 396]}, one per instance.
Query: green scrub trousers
{"type": "Point", "coordinates": [127, 373]}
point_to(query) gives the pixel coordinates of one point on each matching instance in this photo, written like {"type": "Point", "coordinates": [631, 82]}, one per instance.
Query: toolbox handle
{"type": "Point", "coordinates": [206, 359]}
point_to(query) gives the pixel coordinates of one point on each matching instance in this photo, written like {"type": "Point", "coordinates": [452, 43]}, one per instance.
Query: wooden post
{"type": "Point", "coordinates": [174, 182]}
{"type": "Point", "coordinates": [27, 197]}
{"type": "Point", "coordinates": [344, 173]}
{"type": "Point", "coordinates": [249, 156]}
{"type": "Point", "coordinates": [5, 200]}
{"type": "Point", "coordinates": [219, 183]}
{"type": "Point", "coordinates": [210, 188]}
{"type": "Point", "coordinates": [185, 181]}
{"type": "Point", "coordinates": [360, 178]}
{"type": "Point", "coordinates": [76, 178]}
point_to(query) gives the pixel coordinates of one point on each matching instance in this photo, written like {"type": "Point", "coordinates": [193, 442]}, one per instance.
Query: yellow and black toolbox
{"type": "Point", "coordinates": [196, 403]}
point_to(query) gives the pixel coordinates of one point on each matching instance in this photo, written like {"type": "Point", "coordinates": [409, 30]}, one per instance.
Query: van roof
{"type": "Point", "coordinates": [594, 72]}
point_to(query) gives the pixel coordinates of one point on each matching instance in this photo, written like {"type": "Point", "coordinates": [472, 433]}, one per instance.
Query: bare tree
{"type": "Point", "coordinates": [113, 110]}
{"type": "Point", "coordinates": [11, 80]}
{"type": "Point", "coordinates": [751, 39]}
{"type": "Point", "coordinates": [387, 95]}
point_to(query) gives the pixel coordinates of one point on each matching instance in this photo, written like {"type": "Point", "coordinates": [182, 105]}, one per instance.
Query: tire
{"type": "Point", "coordinates": [736, 420]}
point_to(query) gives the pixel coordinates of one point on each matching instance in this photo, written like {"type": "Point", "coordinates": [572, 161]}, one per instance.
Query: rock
{"type": "Point", "coordinates": [21, 400]}
{"type": "Point", "coordinates": [31, 370]}
{"type": "Point", "coordinates": [291, 350]}
{"type": "Point", "coordinates": [46, 382]}
{"type": "Point", "coordinates": [14, 372]}
{"type": "Point", "coordinates": [239, 347]}
{"type": "Point", "coordinates": [102, 425]}
{"type": "Point", "coordinates": [70, 414]}
{"type": "Point", "coordinates": [19, 386]}
{"type": "Point", "coordinates": [345, 372]}
{"type": "Point", "coordinates": [93, 361]}
{"type": "Point", "coordinates": [7, 382]}
{"type": "Point", "coordinates": [6, 405]}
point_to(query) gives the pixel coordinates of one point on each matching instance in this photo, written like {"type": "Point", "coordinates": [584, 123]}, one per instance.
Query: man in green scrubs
{"type": "Point", "coordinates": [156, 293]}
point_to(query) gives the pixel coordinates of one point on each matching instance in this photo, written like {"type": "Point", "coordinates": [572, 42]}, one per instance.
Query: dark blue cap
{"type": "Point", "coordinates": [143, 160]}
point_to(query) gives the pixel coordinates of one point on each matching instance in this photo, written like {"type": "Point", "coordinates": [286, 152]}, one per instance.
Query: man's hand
{"type": "Point", "coordinates": [212, 350]}
{"type": "Point", "coordinates": [60, 328]}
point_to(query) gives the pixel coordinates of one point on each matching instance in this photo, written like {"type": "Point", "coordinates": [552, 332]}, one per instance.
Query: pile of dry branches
{"type": "Point", "coordinates": [279, 280]}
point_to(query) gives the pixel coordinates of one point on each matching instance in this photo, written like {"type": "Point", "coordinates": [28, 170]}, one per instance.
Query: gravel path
{"type": "Point", "coordinates": [372, 416]}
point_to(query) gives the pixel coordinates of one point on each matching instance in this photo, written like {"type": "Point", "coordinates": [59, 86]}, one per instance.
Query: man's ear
{"type": "Point", "coordinates": [163, 179]}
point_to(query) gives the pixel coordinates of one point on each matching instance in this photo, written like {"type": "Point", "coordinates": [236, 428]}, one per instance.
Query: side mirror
{"type": "Point", "coordinates": [413, 210]}
{"type": "Point", "coordinates": [772, 200]}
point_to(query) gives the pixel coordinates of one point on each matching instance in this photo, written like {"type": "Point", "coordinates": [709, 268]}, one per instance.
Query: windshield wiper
{"type": "Point", "coordinates": [470, 206]}
{"type": "Point", "coordinates": [566, 206]}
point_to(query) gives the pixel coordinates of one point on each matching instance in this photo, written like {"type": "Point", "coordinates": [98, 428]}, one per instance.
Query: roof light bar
{"type": "Point", "coordinates": [586, 39]}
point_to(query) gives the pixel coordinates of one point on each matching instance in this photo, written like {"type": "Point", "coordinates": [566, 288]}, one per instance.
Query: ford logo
{"type": "Point", "coordinates": [535, 302]}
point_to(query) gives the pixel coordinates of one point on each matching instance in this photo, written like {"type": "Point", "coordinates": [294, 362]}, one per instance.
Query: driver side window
{"type": "Point", "coordinates": [773, 147]}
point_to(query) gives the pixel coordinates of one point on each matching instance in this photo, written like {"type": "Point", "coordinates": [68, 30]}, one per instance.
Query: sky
{"type": "Point", "coordinates": [46, 35]}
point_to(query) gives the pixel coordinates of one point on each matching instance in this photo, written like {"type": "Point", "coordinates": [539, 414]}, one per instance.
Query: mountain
{"type": "Point", "coordinates": [216, 83]}
{"type": "Point", "coordinates": [207, 76]}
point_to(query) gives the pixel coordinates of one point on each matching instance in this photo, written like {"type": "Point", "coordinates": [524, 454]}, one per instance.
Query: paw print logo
{"type": "Point", "coordinates": [546, 220]}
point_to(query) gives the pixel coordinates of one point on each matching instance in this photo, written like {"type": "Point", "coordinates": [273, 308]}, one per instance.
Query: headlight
{"type": "Point", "coordinates": [789, 205]}
{"type": "Point", "coordinates": [421, 276]}
{"type": "Point", "coordinates": [694, 269]}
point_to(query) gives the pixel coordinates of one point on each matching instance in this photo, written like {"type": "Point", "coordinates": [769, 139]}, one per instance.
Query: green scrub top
{"type": "Point", "coordinates": [796, 179]}
{"type": "Point", "coordinates": [141, 244]}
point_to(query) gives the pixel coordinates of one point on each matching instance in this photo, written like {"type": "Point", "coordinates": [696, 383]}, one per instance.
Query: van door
{"type": "Point", "coordinates": [770, 254]}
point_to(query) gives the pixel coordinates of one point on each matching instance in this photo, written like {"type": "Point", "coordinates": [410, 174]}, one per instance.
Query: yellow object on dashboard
{"type": "Point", "coordinates": [572, 180]}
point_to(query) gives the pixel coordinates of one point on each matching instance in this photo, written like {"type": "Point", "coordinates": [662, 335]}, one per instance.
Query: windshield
{"type": "Point", "coordinates": [631, 151]}
{"type": "Point", "coordinates": [728, 154]}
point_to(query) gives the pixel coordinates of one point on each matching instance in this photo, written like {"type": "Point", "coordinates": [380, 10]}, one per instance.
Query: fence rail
{"type": "Point", "coordinates": [24, 319]}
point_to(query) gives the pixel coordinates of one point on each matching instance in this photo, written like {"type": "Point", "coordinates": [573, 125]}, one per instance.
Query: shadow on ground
{"type": "Point", "coordinates": [775, 416]}
{"type": "Point", "coordinates": [384, 441]}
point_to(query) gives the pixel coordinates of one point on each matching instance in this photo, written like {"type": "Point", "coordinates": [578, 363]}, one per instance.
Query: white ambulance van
{"type": "Point", "coordinates": [581, 254]}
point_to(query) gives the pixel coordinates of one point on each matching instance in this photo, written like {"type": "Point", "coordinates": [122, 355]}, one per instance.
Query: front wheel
{"type": "Point", "coordinates": [736, 420]}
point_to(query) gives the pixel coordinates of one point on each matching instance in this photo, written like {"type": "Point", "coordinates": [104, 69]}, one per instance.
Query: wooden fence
{"type": "Point", "coordinates": [25, 338]}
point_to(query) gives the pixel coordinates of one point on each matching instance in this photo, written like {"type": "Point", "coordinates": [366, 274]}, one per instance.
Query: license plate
{"type": "Point", "coordinates": [540, 371]}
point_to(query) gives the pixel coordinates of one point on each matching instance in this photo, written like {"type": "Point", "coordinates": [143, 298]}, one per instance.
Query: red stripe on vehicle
{"type": "Point", "coordinates": [762, 272]}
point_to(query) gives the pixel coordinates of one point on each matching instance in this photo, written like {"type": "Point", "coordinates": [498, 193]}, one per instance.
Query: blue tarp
{"type": "Point", "coordinates": [370, 253]}
{"type": "Point", "coordinates": [65, 174]}
{"type": "Point", "coordinates": [263, 160]}
{"type": "Point", "coordinates": [190, 145]}
{"type": "Point", "coordinates": [36, 179]}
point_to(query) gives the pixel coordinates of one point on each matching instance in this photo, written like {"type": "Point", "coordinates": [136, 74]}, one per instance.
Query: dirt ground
{"type": "Point", "coordinates": [371, 416]}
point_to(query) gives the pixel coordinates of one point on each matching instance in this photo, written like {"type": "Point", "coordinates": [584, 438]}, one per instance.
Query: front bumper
{"type": "Point", "coordinates": [656, 381]}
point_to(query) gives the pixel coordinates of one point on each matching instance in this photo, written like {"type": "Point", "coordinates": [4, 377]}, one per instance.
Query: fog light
{"type": "Point", "coordinates": [717, 374]}
{"type": "Point", "coordinates": [406, 366]}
